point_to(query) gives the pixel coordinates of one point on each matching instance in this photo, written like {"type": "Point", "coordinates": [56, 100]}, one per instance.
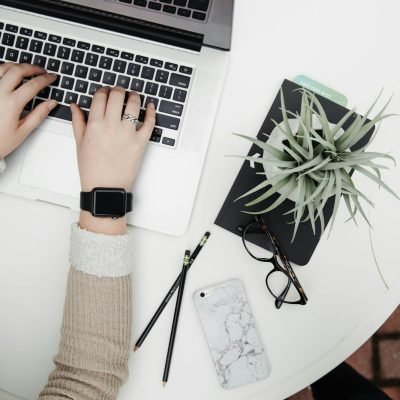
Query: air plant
{"type": "Point", "coordinates": [315, 163]}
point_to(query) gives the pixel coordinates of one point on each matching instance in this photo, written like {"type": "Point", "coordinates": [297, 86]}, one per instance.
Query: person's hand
{"type": "Point", "coordinates": [13, 98]}
{"type": "Point", "coordinates": [109, 149]}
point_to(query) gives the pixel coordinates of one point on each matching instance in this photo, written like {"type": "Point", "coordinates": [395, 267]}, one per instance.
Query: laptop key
{"type": "Point", "coordinates": [169, 9]}
{"type": "Point", "coordinates": [137, 85]}
{"type": "Point", "coordinates": [109, 78]}
{"type": "Point", "coordinates": [133, 69]}
{"type": "Point", "coordinates": [105, 62]}
{"type": "Point", "coordinates": [119, 66]}
{"type": "Point", "coordinates": [180, 95]}
{"type": "Point", "coordinates": [36, 46]}
{"type": "Point", "coordinates": [12, 28]}
{"type": "Point", "coordinates": [40, 35]}
{"type": "Point", "coordinates": [98, 49]}
{"type": "Point", "coordinates": [201, 5]}
{"type": "Point", "coordinates": [81, 71]}
{"type": "Point", "coordinates": [22, 43]}
{"type": "Point", "coordinates": [81, 86]}
{"type": "Point", "coordinates": [71, 98]}
{"type": "Point", "coordinates": [180, 3]}
{"type": "Point", "coordinates": [40, 60]}
{"type": "Point", "coordinates": [57, 94]}
{"type": "Point", "coordinates": [50, 49]}
{"type": "Point", "coordinates": [77, 56]}
{"type": "Point", "coordinates": [166, 1]}
{"type": "Point", "coordinates": [168, 141]}
{"type": "Point", "coordinates": [154, 6]}
{"type": "Point", "coordinates": [162, 76]}
{"type": "Point", "coordinates": [124, 81]}
{"type": "Point", "coordinates": [165, 92]}
{"type": "Point", "coordinates": [62, 112]}
{"type": "Point", "coordinates": [151, 88]}
{"type": "Point", "coordinates": [12, 55]}
{"type": "Point", "coordinates": [53, 65]}
{"type": "Point", "coordinates": [156, 63]}
{"type": "Point", "coordinates": [55, 38]}
{"type": "Point", "coordinates": [26, 32]}
{"type": "Point", "coordinates": [185, 70]}
{"type": "Point", "coordinates": [199, 16]}
{"type": "Point", "coordinates": [184, 12]}
{"type": "Point", "coordinates": [171, 66]}
{"type": "Point", "coordinates": [142, 59]}
{"type": "Point", "coordinates": [95, 75]}
{"type": "Point", "coordinates": [112, 52]}
{"type": "Point", "coordinates": [155, 138]}
{"type": "Point", "coordinates": [179, 80]}
{"type": "Point", "coordinates": [141, 3]}
{"type": "Point", "coordinates": [91, 59]}
{"type": "Point", "coordinates": [69, 42]}
{"type": "Point", "coordinates": [8, 39]}
{"type": "Point", "coordinates": [169, 107]}
{"type": "Point", "coordinates": [44, 93]}
{"type": "Point", "coordinates": [148, 73]}
{"type": "Point", "coordinates": [85, 101]}
{"type": "Point", "coordinates": [25, 58]}
{"type": "Point", "coordinates": [67, 68]}
{"type": "Point", "coordinates": [93, 87]}
{"type": "Point", "coordinates": [63, 52]}
{"type": "Point", "coordinates": [127, 56]}
{"type": "Point", "coordinates": [67, 82]}
{"type": "Point", "coordinates": [2, 51]}
{"type": "Point", "coordinates": [165, 121]}
{"type": "Point", "coordinates": [83, 46]}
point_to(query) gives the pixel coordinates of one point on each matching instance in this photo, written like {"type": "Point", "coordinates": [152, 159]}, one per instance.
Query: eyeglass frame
{"type": "Point", "coordinates": [285, 269]}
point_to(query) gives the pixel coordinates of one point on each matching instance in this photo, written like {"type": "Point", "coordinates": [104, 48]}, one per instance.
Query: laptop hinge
{"type": "Point", "coordinates": [110, 21]}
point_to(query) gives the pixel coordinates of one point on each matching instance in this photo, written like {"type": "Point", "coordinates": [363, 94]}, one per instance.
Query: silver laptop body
{"type": "Point", "coordinates": [174, 51]}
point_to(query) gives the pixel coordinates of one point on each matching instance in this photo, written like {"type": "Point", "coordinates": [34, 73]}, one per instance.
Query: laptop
{"type": "Point", "coordinates": [174, 53]}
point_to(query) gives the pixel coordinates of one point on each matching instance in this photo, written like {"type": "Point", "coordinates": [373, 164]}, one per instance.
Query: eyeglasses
{"type": "Point", "coordinates": [281, 281]}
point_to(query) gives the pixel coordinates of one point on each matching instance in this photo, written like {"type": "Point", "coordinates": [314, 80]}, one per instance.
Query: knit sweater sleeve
{"type": "Point", "coordinates": [92, 362]}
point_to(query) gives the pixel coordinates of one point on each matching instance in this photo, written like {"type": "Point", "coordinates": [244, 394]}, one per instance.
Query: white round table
{"type": "Point", "coordinates": [350, 46]}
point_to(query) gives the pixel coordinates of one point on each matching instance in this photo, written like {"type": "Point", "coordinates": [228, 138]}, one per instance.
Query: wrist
{"type": "Point", "coordinates": [106, 226]}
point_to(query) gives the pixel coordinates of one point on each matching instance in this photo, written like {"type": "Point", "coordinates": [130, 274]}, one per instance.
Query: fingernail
{"type": "Point", "coordinates": [150, 105]}
{"type": "Point", "coordinates": [52, 104]}
{"type": "Point", "coordinates": [52, 74]}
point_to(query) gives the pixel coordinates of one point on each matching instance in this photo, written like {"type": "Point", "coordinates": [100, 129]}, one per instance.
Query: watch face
{"type": "Point", "coordinates": [109, 203]}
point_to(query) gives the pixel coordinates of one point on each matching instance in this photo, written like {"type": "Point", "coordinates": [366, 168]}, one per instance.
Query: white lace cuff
{"type": "Point", "coordinates": [2, 166]}
{"type": "Point", "coordinates": [100, 255]}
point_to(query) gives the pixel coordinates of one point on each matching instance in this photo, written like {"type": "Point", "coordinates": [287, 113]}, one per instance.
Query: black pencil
{"type": "Point", "coordinates": [168, 296]}
{"type": "Point", "coordinates": [174, 327]}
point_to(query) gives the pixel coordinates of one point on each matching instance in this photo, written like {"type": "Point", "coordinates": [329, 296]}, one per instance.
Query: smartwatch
{"type": "Point", "coordinates": [107, 202]}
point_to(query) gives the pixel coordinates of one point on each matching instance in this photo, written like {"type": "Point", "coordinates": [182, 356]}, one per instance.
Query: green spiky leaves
{"type": "Point", "coordinates": [314, 164]}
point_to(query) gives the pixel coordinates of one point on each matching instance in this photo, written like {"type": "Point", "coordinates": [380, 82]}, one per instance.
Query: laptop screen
{"type": "Point", "coordinates": [183, 23]}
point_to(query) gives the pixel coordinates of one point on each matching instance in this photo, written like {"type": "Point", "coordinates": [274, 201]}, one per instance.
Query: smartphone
{"type": "Point", "coordinates": [231, 334]}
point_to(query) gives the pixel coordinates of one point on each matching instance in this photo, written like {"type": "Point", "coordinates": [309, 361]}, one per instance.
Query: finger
{"type": "Point", "coordinates": [99, 104]}
{"type": "Point", "coordinates": [35, 118]}
{"type": "Point", "coordinates": [30, 89]}
{"type": "Point", "coordinates": [146, 129]}
{"type": "Point", "coordinates": [78, 122]}
{"type": "Point", "coordinates": [132, 108]}
{"type": "Point", "coordinates": [5, 67]}
{"type": "Point", "coordinates": [115, 105]}
{"type": "Point", "coordinates": [16, 73]}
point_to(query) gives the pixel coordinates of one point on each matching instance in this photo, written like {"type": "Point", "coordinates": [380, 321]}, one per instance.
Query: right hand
{"type": "Point", "coordinates": [110, 150]}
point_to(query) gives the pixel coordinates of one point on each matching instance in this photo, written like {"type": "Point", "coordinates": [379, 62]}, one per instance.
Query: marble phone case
{"type": "Point", "coordinates": [232, 337]}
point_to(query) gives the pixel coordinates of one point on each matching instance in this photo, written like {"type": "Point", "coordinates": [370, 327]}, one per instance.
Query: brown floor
{"type": "Point", "coordinates": [378, 360]}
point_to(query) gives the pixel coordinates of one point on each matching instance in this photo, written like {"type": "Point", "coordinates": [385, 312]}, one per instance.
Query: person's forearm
{"type": "Point", "coordinates": [92, 362]}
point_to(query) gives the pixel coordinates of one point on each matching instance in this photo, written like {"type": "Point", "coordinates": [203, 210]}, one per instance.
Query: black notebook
{"type": "Point", "coordinates": [231, 216]}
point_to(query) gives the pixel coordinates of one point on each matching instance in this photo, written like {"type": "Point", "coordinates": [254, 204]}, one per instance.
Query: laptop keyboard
{"type": "Point", "coordinates": [83, 67]}
{"type": "Point", "coordinates": [189, 9]}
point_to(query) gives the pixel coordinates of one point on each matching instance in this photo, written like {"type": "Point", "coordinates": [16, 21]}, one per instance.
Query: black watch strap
{"type": "Point", "coordinates": [87, 200]}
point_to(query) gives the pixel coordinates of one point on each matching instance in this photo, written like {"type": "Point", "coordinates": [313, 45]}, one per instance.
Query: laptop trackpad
{"type": "Point", "coordinates": [50, 163]}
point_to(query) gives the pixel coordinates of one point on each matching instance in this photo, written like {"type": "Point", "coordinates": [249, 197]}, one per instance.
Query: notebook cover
{"type": "Point", "coordinates": [230, 215]}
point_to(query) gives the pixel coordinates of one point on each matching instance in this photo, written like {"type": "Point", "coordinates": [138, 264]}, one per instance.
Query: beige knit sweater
{"type": "Point", "coordinates": [92, 362]}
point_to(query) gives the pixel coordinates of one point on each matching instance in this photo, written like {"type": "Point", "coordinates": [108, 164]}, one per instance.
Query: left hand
{"type": "Point", "coordinates": [13, 98]}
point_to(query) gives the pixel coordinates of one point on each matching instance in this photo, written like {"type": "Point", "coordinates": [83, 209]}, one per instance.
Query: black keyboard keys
{"type": "Point", "coordinates": [105, 62]}
{"type": "Point", "coordinates": [12, 55]}
{"type": "Point", "coordinates": [165, 92]}
{"type": "Point", "coordinates": [91, 59]}
{"type": "Point", "coordinates": [85, 101]}
{"type": "Point", "coordinates": [199, 16]}
{"type": "Point", "coordinates": [71, 98]}
{"type": "Point", "coordinates": [8, 39]}
{"type": "Point", "coordinates": [36, 46]}
{"type": "Point", "coordinates": [62, 112]}
{"type": "Point", "coordinates": [67, 68]}
{"type": "Point", "coordinates": [133, 69]}
{"type": "Point", "coordinates": [109, 78]}
{"type": "Point", "coordinates": [93, 87]}
{"type": "Point", "coordinates": [142, 59]}
{"type": "Point", "coordinates": [40, 35]}
{"type": "Point", "coordinates": [123, 81]}
{"type": "Point", "coordinates": [26, 32]}
{"type": "Point", "coordinates": [44, 93]}
{"type": "Point", "coordinates": [26, 58]}
{"type": "Point", "coordinates": [201, 5]}
{"type": "Point", "coordinates": [162, 76]}
{"type": "Point", "coordinates": [77, 56]}
{"type": "Point", "coordinates": [53, 65]}
{"type": "Point", "coordinates": [169, 107]}
{"type": "Point", "coordinates": [119, 66]}
{"type": "Point", "coordinates": [95, 75]}
{"type": "Point", "coordinates": [137, 85]}
{"type": "Point", "coordinates": [22, 43]}
{"type": "Point", "coordinates": [81, 86]}
{"type": "Point", "coordinates": [50, 49]}
{"type": "Point", "coordinates": [165, 121]}
{"type": "Point", "coordinates": [67, 82]}
{"type": "Point", "coordinates": [57, 94]}
{"type": "Point", "coordinates": [64, 52]}
{"type": "Point", "coordinates": [81, 71]}
{"type": "Point", "coordinates": [148, 73]}
{"type": "Point", "coordinates": [11, 28]}
{"type": "Point", "coordinates": [151, 88]}
{"type": "Point", "coordinates": [180, 95]}
{"type": "Point", "coordinates": [40, 60]}
{"type": "Point", "coordinates": [179, 80]}
{"type": "Point", "coordinates": [55, 38]}
{"type": "Point", "coordinates": [69, 42]}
